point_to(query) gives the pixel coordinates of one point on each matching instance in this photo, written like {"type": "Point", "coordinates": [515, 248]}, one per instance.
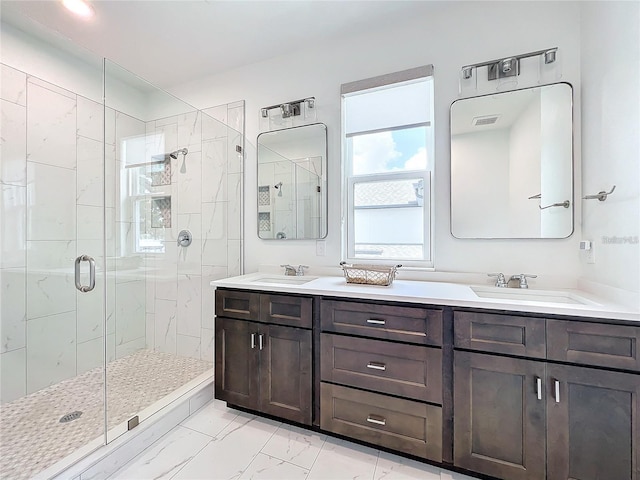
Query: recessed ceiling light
{"type": "Point", "coordinates": [79, 7]}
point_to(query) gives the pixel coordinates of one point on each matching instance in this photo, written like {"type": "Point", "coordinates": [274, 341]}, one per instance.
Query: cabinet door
{"type": "Point", "coordinates": [236, 376]}
{"type": "Point", "coordinates": [499, 420]}
{"type": "Point", "coordinates": [592, 424]}
{"type": "Point", "coordinates": [285, 373]}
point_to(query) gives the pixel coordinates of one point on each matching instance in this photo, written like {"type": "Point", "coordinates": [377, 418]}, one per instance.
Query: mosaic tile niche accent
{"type": "Point", "coordinates": [161, 212]}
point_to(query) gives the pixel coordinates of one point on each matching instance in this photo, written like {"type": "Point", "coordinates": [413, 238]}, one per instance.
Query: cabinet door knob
{"type": "Point", "coordinates": [375, 322]}
{"type": "Point", "coordinates": [377, 366]}
{"type": "Point", "coordinates": [377, 420]}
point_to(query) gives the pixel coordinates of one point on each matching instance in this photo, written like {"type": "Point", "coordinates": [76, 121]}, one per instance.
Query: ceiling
{"type": "Point", "coordinates": [172, 42]}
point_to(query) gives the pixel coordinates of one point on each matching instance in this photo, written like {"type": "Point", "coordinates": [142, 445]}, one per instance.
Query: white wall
{"type": "Point", "coordinates": [611, 140]}
{"type": "Point", "coordinates": [456, 34]}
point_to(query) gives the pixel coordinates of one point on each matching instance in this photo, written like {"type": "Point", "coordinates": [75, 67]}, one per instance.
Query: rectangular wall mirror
{"type": "Point", "coordinates": [292, 183]}
{"type": "Point", "coordinates": [512, 164]}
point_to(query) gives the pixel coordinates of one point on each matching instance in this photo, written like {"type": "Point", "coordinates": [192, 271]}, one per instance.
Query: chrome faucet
{"type": "Point", "coordinates": [501, 281]}
{"type": "Point", "coordinates": [292, 271]}
{"type": "Point", "coordinates": [522, 277]}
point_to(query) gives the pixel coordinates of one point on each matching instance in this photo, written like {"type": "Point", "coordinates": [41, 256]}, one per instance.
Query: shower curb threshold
{"type": "Point", "coordinates": [97, 461]}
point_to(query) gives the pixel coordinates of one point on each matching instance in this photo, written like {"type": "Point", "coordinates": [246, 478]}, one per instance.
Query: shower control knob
{"type": "Point", "coordinates": [184, 238]}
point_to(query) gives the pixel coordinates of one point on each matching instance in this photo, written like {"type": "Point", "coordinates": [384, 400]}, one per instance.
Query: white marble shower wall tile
{"type": "Point", "coordinates": [51, 350]}
{"type": "Point", "coordinates": [13, 169]}
{"type": "Point", "coordinates": [209, 274]}
{"type": "Point", "coordinates": [50, 279]}
{"type": "Point", "coordinates": [190, 258]}
{"type": "Point", "coordinates": [13, 375]}
{"type": "Point", "coordinates": [51, 202]}
{"type": "Point", "coordinates": [13, 205]}
{"type": "Point", "coordinates": [124, 238]}
{"type": "Point", "coordinates": [207, 345]}
{"type": "Point", "coordinates": [50, 86]}
{"type": "Point", "coordinates": [190, 131]}
{"type": "Point", "coordinates": [90, 119]}
{"type": "Point", "coordinates": [234, 159]}
{"type": "Point", "coordinates": [235, 116]}
{"type": "Point", "coordinates": [90, 223]}
{"type": "Point", "coordinates": [214, 121]}
{"type": "Point", "coordinates": [126, 127]}
{"type": "Point", "coordinates": [214, 231]}
{"type": "Point", "coordinates": [150, 330]}
{"type": "Point", "coordinates": [90, 354]}
{"type": "Point", "coordinates": [90, 178]}
{"type": "Point", "coordinates": [110, 126]}
{"type": "Point", "coordinates": [113, 177]}
{"type": "Point", "coordinates": [234, 206]}
{"type": "Point", "coordinates": [165, 331]}
{"type": "Point", "coordinates": [234, 252]}
{"type": "Point", "coordinates": [187, 346]}
{"type": "Point", "coordinates": [90, 309]}
{"type": "Point", "coordinates": [130, 312]}
{"type": "Point", "coordinates": [189, 183]}
{"type": "Point", "coordinates": [128, 348]}
{"type": "Point", "coordinates": [13, 309]}
{"type": "Point", "coordinates": [51, 127]}
{"type": "Point", "coordinates": [165, 138]}
{"type": "Point", "coordinates": [214, 170]}
{"type": "Point", "coordinates": [189, 305]}
{"type": "Point", "coordinates": [13, 85]}
{"type": "Point", "coordinates": [167, 286]}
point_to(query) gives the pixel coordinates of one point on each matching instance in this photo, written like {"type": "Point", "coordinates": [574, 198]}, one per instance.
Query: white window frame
{"type": "Point", "coordinates": [349, 179]}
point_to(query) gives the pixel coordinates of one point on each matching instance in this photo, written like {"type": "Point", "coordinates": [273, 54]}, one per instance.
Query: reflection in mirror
{"type": "Point", "coordinates": [292, 183]}
{"type": "Point", "coordinates": [512, 164]}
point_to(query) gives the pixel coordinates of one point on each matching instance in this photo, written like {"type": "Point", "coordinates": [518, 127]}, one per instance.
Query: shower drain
{"type": "Point", "coordinates": [70, 416]}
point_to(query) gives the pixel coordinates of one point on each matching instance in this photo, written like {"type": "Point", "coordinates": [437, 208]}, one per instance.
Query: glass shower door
{"type": "Point", "coordinates": [52, 354]}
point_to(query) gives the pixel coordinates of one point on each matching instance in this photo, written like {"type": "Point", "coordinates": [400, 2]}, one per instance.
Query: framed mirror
{"type": "Point", "coordinates": [292, 183]}
{"type": "Point", "coordinates": [512, 164]}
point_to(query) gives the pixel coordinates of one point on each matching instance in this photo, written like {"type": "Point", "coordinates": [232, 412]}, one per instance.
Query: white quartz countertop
{"type": "Point", "coordinates": [438, 293]}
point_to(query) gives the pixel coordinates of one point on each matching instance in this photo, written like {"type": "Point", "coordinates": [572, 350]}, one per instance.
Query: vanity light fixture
{"type": "Point", "coordinates": [502, 68]}
{"type": "Point", "coordinates": [80, 7]}
{"type": "Point", "coordinates": [290, 109]}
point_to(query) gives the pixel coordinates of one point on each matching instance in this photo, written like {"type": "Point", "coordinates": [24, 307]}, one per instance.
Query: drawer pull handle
{"type": "Point", "coordinates": [557, 389]}
{"type": "Point", "coordinates": [253, 340]}
{"type": "Point", "coordinates": [261, 341]}
{"type": "Point", "coordinates": [377, 420]}
{"type": "Point", "coordinates": [377, 366]}
{"type": "Point", "coordinates": [539, 388]}
{"type": "Point", "coordinates": [375, 322]}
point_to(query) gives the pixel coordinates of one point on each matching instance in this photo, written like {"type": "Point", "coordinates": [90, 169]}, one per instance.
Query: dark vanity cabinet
{"type": "Point", "coordinates": [538, 398]}
{"type": "Point", "coordinates": [263, 348]}
{"type": "Point", "coordinates": [381, 375]}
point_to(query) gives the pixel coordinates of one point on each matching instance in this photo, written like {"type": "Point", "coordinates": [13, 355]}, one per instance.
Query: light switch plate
{"type": "Point", "coordinates": [321, 246]}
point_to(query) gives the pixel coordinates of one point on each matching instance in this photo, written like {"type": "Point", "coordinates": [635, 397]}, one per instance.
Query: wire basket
{"type": "Point", "coordinates": [369, 274]}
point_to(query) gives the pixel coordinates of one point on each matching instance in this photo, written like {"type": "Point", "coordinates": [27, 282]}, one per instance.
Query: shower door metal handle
{"type": "Point", "coordinates": [92, 273]}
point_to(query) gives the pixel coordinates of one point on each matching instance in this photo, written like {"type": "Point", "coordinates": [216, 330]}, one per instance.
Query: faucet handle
{"type": "Point", "coordinates": [500, 280]}
{"type": "Point", "coordinates": [523, 279]}
{"type": "Point", "coordinates": [300, 270]}
{"type": "Point", "coordinates": [289, 270]}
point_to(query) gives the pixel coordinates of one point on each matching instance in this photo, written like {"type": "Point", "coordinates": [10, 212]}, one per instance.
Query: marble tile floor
{"type": "Point", "coordinates": [31, 435]}
{"type": "Point", "coordinates": [221, 443]}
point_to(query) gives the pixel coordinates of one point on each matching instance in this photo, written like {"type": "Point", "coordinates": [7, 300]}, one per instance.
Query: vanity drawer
{"type": "Point", "coordinates": [286, 310]}
{"type": "Point", "coordinates": [404, 370]}
{"type": "Point", "coordinates": [407, 324]}
{"type": "Point", "coordinates": [237, 304]}
{"type": "Point", "coordinates": [597, 344]}
{"type": "Point", "coordinates": [510, 334]}
{"type": "Point", "coordinates": [410, 427]}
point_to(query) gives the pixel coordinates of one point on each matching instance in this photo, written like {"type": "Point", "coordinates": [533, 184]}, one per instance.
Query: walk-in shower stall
{"type": "Point", "coordinates": [106, 309]}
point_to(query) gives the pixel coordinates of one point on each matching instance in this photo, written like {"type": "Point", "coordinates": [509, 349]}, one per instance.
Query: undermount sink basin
{"type": "Point", "coordinates": [282, 279]}
{"type": "Point", "coordinates": [544, 296]}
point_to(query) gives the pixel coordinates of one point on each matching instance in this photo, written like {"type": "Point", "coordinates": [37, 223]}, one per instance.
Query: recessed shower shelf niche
{"type": "Point", "coordinates": [161, 212]}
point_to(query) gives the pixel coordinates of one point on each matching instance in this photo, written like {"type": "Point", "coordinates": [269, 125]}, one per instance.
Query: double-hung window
{"type": "Point", "coordinates": [388, 164]}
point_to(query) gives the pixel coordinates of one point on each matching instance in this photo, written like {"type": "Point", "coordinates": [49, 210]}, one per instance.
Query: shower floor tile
{"type": "Point", "coordinates": [31, 435]}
